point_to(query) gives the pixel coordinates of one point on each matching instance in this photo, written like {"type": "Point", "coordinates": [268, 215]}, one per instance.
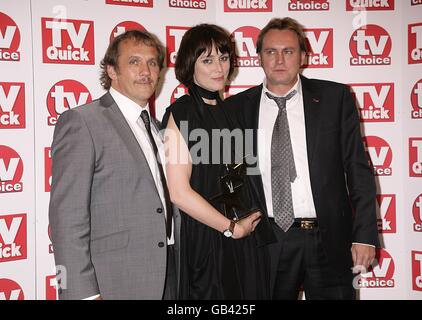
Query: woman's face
{"type": "Point", "coordinates": [211, 70]}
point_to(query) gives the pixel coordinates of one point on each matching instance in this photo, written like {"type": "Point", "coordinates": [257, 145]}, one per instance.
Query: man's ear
{"type": "Point", "coordinates": [302, 58]}
{"type": "Point", "coordinates": [111, 71]}
{"type": "Point", "coordinates": [260, 59]}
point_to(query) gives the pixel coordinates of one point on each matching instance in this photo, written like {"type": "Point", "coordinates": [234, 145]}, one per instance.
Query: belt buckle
{"type": "Point", "coordinates": [306, 224]}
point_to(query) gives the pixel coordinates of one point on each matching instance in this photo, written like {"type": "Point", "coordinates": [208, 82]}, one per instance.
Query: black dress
{"type": "Point", "coordinates": [211, 265]}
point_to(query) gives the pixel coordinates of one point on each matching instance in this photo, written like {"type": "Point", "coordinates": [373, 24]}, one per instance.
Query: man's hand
{"type": "Point", "coordinates": [363, 255]}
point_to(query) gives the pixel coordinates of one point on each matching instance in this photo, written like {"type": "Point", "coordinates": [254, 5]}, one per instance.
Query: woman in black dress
{"type": "Point", "coordinates": [220, 259]}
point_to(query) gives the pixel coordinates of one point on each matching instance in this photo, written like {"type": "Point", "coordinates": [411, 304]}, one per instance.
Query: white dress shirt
{"type": "Point", "coordinates": [303, 202]}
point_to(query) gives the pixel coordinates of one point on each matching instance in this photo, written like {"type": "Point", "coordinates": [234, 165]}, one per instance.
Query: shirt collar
{"type": "Point", "coordinates": [130, 109]}
{"type": "Point", "coordinates": [297, 86]}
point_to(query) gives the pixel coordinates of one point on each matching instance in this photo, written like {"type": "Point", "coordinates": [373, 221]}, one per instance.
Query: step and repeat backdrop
{"type": "Point", "coordinates": [49, 62]}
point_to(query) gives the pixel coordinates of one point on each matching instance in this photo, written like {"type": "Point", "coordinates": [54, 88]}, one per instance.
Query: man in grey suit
{"type": "Point", "coordinates": [113, 227]}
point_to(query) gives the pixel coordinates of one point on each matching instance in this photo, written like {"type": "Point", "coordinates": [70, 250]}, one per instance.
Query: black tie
{"type": "Point", "coordinates": [169, 212]}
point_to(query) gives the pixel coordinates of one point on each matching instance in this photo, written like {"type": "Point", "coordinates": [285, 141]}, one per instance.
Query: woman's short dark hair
{"type": "Point", "coordinates": [197, 40]}
{"type": "Point", "coordinates": [282, 24]}
{"type": "Point", "coordinates": [112, 53]}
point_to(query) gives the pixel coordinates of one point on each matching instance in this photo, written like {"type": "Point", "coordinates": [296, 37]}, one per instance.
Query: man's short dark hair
{"type": "Point", "coordinates": [282, 24]}
{"type": "Point", "coordinates": [112, 53]}
{"type": "Point", "coordinates": [197, 40]}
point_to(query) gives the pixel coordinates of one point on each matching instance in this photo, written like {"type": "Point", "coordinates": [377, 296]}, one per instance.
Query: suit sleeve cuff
{"type": "Point", "coordinates": [92, 297]}
{"type": "Point", "coordinates": [364, 244]}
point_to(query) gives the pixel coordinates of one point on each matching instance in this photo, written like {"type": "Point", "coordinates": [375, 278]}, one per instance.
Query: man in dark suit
{"type": "Point", "coordinates": [113, 227]}
{"type": "Point", "coordinates": [316, 185]}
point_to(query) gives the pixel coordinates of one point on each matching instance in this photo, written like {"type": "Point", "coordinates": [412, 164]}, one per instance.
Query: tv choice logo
{"type": "Point", "coordinates": [416, 2]}
{"type": "Point", "coordinates": [309, 5]}
{"type": "Point", "coordinates": [124, 26]}
{"type": "Point", "coordinates": [10, 290]}
{"type": "Point", "coordinates": [10, 39]}
{"type": "Point", "coordinates": [417, 270]}
{"type": "Point", "coordinates": [188, 4]}
{"type": "Point", "coordinates": [387, 213]}
{"type": "Point", "coordinates": [369, 5]}
{"type": "Point", "coordinates": [13, 237]}
{"type": "Point", "coordinates": [245, 38]}
{"type": "Point", "coordinates": [370, 45]}
{"type": "Point", "coordinates": [415, 157]}
{"type": "Point", "coordinates": [235, 89]}
{"type": "Point", "coordinates": [63, 95]}
{"type": "Point", "coordinates": [375, 101]}
{"type": "Point", "coordinates": [416, 100]}
{"type": "Point", "coordinates": [133, 3]}
{"type": "Point", "coordinates": [417, 213]}
{"type": "Point", "coordinates": [320, 48]}
{"type": "Point", "coordinates": [380, 275]}
{"type": "Point", "coordinates": [379, 155]}
{"type": "Point", "coordinates": [11, 170]}
{"type": "Point", "coordinates": [178, 92]}
{"type": "Point", "coordinates": [50, 287]}
{"type": "Point", "coordinates": [68, 41]}
{"type": "Point", "coordinates": [12, 105]}
{"type": "Point", "coordinates": [174, 36]}
{"type": "Point", "coordinates": [248, 5]}
{"type": "Point", "coordinates": [415, 43]}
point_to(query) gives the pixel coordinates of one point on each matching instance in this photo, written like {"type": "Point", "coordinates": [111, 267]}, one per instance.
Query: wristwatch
{"type": "Point", "coordinates": [229, 232]}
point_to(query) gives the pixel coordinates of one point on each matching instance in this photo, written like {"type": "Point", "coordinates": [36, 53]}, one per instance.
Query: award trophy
{"type": "Point", "coordinates": [233, 193]}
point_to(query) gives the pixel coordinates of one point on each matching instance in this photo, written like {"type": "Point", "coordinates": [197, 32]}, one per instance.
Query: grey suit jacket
{"type": "Point", "coordinates": [106, 216]}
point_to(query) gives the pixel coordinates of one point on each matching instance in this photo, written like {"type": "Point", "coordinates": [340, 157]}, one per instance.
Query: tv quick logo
{"type": "Point", "coordinates": [11, 170]}
{"type": "Point", "coordinates": [50, 288]}
{"type": "Point", "coordinates": [10, 290]}
{"type": "Point", "coordinates": [248, 5]}
{"type": "Point", "coordinates": [370, 45]}
{"type": "Point", "coordinates": [309, 5]}
{"type": "Point", "coordinates": [178, 92]}
{"type": "Point", "coordinates": [416, 100]}
{"type": "Point", "coordinates": [387, 213]}
{"type": "Point", "coordinates": [415, 157]}
{"type": "Point", "coordinates": [10, 39]}
{"type": "Point", "coordinates": [173, 38]}
{"type": "Point", "coordinates": [68, 41]}
{"type": "Point", "coordinates": [415, 43]}
{"type": "Point", "coordinates": [380, 276]}
{"type": "Point", "coordinates": [320, 48]}
{"type": "Point", "coordinates": [235, 89]}
{"type": "Point", "coordinates": [379, 154]}
{"type": "Point", "coordinates": [417, 213]}
{"type": "Point", "coordinates": [188, 4]}
{"type": "Point", "coordinates": [47, 169]}
{"type": "Point", "coordinates": [133, 3]}
{"type": "Point", "coordinates": [13, 237]}
{"type": "Point", "coordinates": [64, 95]}
{"type": "Point", "coordinates": [417, 270]}
{"type": "Point", "coordinates": [124, 26]}
{"type": "Point", "coordinates": [12, 105]}
{"type": "Point", "coordinates": [369, 5]}
{"type": "Point", "coordinates": [375, 101]}
{"type": "Point", "coordinates": [245, 39]}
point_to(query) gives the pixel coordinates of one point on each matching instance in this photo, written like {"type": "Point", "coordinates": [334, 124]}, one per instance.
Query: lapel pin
{"type": "Point", "coordinates": [315, 100]}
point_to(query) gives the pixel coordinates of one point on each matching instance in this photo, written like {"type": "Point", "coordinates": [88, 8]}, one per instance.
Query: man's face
{"type": "Point", "coordinates": [281, 59]}
{"type": "Point", "coordinates": [137, 72]}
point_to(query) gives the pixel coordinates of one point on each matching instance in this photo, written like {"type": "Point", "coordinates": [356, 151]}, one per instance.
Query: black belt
{"type": "Point", "coordinates": [303, 223]}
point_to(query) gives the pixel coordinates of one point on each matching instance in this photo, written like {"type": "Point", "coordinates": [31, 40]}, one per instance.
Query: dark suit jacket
{"type": "Point", "coordinates": [342, 183]}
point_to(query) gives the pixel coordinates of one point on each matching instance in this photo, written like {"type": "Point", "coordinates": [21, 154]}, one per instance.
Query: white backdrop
{"type": "Point", "coordinates": [49, 61]}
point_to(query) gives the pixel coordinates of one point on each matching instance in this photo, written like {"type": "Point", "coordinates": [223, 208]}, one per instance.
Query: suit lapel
{"type": "Point", "coordinates": [312, 104]}
{"type": "Point", "coordinates": [117, 119]}
{"type": "Point", "coordinates": [252, 121]}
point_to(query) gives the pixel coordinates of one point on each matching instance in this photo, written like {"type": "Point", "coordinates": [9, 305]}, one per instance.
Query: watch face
{"type": "Point", "coordinates": [228, 233]}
